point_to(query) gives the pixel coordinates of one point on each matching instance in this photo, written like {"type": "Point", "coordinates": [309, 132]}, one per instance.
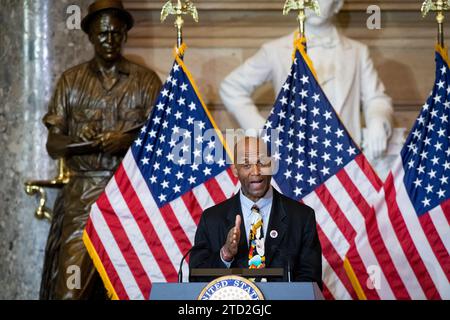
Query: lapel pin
{"type": "Point", "coordinates": [273, 234]}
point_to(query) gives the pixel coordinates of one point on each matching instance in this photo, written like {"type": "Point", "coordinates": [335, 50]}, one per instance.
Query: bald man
{"type": "Point", "coordinates": [258, 227]}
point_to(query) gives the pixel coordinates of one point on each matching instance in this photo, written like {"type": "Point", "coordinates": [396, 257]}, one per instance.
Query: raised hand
{"type": "Point", "coordinates": [230, 248]}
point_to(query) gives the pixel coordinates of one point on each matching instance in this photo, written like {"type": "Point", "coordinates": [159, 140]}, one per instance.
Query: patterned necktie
{"type": "Point", "coordinates": [256, 258]}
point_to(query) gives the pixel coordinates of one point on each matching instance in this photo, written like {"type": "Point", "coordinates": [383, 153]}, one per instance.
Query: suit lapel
{"type": "Point", "coordinates": [278, 224]}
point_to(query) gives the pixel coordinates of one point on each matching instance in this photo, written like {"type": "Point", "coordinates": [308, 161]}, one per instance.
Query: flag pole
{"type": "Point", "coordinates": [301, 6]}
{"type": "Point", "coordinates": [183, 7]}
{"type": "Point", "coordinates": [439, 6]}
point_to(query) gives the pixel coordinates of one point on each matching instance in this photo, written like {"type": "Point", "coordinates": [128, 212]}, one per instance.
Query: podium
{"type": "Point", "coordinates": [270, 290]}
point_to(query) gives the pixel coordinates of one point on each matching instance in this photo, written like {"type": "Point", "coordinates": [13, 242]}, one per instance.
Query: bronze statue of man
{"type": "Point", "coordinates": [93, 117]}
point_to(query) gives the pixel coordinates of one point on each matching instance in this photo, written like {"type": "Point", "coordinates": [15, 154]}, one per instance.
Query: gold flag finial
{"type": "Point", "coordinates": [301, 6]}
{"type": "Point", "coordinates": [438, 6]}
{"type": "Point", "coordinates": [183, 7]}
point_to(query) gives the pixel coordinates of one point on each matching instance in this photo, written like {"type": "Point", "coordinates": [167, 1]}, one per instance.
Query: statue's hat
{"type": "Point", "coordinates": [103, 5]}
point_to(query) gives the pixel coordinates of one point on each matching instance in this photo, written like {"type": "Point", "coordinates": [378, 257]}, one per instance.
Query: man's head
{"type": "Point", "coordinates": [107, 25]}
{"type": "Point", "coordinates": [252, 166]}
{"type": "Point", "coordinates": [328, 8]}
{"type": "Point", "coordinates": [108, 32]}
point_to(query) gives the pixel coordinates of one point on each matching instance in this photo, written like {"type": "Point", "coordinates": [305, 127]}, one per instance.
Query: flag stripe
{"type": "Point", "coordinates": [203, 197]}
{"type": "Point", "coordinates": [369, 192]}
{"type": "Point", "coordinates": [192, 206]}
{"type": "Point", "coordinates": [446, 209]}
{"type": "Point", "coordinates": [336, 263]}
{"type": "Point", "coordinates": [103, 255]}
{"type": "Point", "coordinates": [334, 248]}
{"type": "Point", "coordinates": [349, 206]}
{"type": "Point", "coordinates": [134, 231]}
{"type": "Point", "coordinates": [185, 219]}
{"type": "Point", "coordinates": [435, 242]}
{"type": "Point", "coordinates": [406, 242]}
{"type": "Point", "coordinates": [326, 293]}
{"type": "Point", "coordinates": [164, 241]}
{"type": "Point", "coordinates": [374, 237]}
{"type": "Point", "coordinates": [158, 245]}
{"type": "Point", "coordinates": [227, 185]}
{"type": "Point", "coordinates": [111, 246]}
{"type": "Point", "coordinates": [347, 228]}
{"type": "Point", "coordinates": [122, 239]}
{"type": "Point", "coordinates": [335, 213]}
{"type": "Point", "coordinates": [369, 172]}
{"type": "Point", "coordinates": [215, 191]}
{"type": "Point", "coordinates": [435, 270]}
{"type": "Point", "coordinates": [329, 227]}
{"type": "Point", "coordinates": [437, 215]}
{"type": "Point", "coordinates": [181, 239]}
{"type": "Point", "coordinates": [395, 250]}
{"type": "Point", "coordinates": [232, 177]}
{"type": "Point", "coordinates": [331, 280]}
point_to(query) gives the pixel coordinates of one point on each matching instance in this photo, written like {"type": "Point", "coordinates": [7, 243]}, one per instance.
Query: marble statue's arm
{"type": "Point", "coordinates": [377, 107]}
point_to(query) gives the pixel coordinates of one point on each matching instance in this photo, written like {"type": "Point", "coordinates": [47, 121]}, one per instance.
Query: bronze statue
{"type": "Point", "coordinates": [93, 117]}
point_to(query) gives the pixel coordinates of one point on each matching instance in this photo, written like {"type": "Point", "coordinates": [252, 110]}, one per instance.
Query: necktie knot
{"type": "Point", "coordinates": [255, 208]}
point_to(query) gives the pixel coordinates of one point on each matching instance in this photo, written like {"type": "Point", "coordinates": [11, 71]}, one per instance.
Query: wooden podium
{"type": "Point", "coordinates": [270, 290]}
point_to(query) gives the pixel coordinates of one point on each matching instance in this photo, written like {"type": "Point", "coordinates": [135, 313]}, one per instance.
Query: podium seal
{"type": "Point", "coordinates": [231, 288]}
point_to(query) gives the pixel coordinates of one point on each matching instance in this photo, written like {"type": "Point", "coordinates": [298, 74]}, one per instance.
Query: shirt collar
{"type": "Point", "coordinates": [331, 40]}
{"type": "Point", "coordinates": [262, 203]}
{"type": "Point", "coordinates": [123, 66]}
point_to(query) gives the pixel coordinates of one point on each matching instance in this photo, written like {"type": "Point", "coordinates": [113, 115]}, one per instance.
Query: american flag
{"type": "Point", "coordinates": [146, 219]}
{"type": "Point", "coordinates": [320, 165]}
{"type": "Point", "coordinates": [414, 214]}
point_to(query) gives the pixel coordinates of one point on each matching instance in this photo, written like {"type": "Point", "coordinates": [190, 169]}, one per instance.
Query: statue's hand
{"type": "Point", "coordinates": [375, 142]}
{"type": "Point", "coordinates": [114, 141]}
{"type": "Point", "coordinates": [88, 132]}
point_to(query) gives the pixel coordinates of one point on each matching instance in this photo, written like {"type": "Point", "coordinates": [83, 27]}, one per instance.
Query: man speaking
{"type": "Point", "coordinates": [258, 227]}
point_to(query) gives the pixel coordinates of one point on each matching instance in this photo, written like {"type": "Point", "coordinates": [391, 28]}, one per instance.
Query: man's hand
{"type": "Point", "coordinates": [230, 248]}
{"type": "Point", "coordinates": [114, 141]}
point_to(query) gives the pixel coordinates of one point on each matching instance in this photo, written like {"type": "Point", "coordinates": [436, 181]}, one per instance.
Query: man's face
{"type": "Point", "coordinates": [327, 11]}
{"type": "Point", "coordinates": [107, 34]}
{"type": "Point", "coordinates": [252, 167]}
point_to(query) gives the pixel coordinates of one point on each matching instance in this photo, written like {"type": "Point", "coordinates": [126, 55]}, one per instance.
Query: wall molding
{"type": "Point", "coordinates": [355, 5]}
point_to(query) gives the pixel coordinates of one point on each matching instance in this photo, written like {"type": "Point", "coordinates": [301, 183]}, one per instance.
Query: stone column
{"type": "Point", "coordinates": [36, 46]}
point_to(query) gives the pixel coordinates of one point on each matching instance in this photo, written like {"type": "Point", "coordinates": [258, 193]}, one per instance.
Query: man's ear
{"type": "Point", "coordinates": [234, 169]}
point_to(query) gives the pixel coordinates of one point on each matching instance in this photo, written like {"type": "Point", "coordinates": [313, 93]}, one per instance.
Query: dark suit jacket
{"type": "Point", "coordinates": [297, 240]}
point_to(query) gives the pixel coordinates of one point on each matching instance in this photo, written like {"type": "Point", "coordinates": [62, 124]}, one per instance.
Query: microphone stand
{"type": "Point", "coordinates": [180, 270]}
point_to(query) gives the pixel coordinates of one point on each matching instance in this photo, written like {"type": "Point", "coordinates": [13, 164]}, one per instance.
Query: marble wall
{"type": "Point", "coordinates": [35, 47]}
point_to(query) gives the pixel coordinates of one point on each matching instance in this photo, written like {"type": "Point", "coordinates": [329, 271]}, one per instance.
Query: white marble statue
{"type": "Point", "coordinates": [345, 72]}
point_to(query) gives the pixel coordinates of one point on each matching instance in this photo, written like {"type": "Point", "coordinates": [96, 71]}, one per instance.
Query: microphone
{"type": "Point", "coordinates": [200, 245]}
{"type": "Point", "coordinates": [289, 269]}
